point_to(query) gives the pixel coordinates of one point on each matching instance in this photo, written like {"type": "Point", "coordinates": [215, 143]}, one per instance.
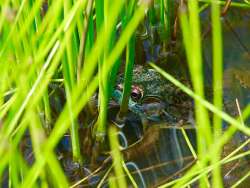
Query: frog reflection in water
{"type": "Point", "coordinates": [156, 100]}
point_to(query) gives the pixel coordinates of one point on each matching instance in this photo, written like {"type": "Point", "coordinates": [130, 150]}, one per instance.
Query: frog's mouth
{"type": "Point", "coordinates": [153, 107]}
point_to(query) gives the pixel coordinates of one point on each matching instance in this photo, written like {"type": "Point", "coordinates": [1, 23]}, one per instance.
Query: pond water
{"type": "Point", "coordinates": [236, 79]}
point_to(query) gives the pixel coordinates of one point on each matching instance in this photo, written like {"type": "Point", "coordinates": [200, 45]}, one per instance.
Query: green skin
{"type": "Point", "coordinates": [153, 85]}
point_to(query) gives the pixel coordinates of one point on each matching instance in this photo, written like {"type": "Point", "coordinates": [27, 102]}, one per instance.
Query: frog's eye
{"type": "Point", "coordinates": [136, 93]}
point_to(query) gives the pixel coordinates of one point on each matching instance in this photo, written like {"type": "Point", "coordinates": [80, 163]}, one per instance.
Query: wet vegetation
{"type": "Point", "coordinates": [126, 93]}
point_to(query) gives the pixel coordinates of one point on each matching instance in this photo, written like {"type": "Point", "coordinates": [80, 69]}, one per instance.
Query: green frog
{"type": "Point", "coordinates": [152, 96]}
{"type": "Point", "coordinates": [156, 101]}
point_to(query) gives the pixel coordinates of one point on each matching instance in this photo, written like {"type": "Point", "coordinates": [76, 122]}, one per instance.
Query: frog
{"type": "Point", "coordinates": [149, 85]}
{"type": "Point", "coordinates": [152, 92]}
{"type": "Point", "coordinates": [155, 100]}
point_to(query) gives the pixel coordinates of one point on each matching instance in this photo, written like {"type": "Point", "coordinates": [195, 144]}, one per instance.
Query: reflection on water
{"type": "Point", "coordinates": [236, 83]}
{"type": "Point", "coordinates": [236, 59]}
{"type": "Point", "coordinates": [156, 154]}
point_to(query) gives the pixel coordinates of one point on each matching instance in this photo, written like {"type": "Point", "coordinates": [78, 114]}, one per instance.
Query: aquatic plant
{"type": "Point", "coordinates": [78, 47]}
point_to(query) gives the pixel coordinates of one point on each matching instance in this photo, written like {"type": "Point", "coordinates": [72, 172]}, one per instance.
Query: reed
{"type": "Point", "coordinates": [81, 45]}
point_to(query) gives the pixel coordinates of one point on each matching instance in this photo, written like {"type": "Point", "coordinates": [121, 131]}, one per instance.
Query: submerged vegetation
{"type": "Point", "coordinates": [139, 93]}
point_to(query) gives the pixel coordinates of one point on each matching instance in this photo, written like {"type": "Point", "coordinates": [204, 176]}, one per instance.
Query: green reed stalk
{"type": "Point", "coordinates": [45, 105]}
{"type": "Point", "coordinates": [130, 177]}
{"type": "Point", "coordinates": [37, 137]}
{"type": "Point", "coordinates": [217, 86]}
{"type": "Point", "coordinates": [152, 15]}
{"type": "Point", "coordinates": [69, 74]}
{"type": "Point", "coordinates": [90, 35]}
{"type": "Point", "coordinates": [117, 158]}
{"type": "Point", "coordinates": [116, 66]}
{"type": "Point", "coordinates": [47, 111]}
{"type": "Point", "coordinates": [217, 66]}
{"type": "Point", "coordinates": [85, 37]}
{"type": "Point", "coordinates": [236, 184]}
{"type": "Point", "coordinates": [112, 182]}
{"type": "Point", "coordinates": [127, 85]}
{"type": "Point", "coordinates": [130, 59]}
{"type": "Point", "coordinates": [194, 57]}
{"type": "Point", "coordinates": [166, 16]}
{"type": "Point", "coordinates": [103, 94]}
{"type": "Point", "coordinates": [105, 80]}
{"type": "Point", "coordinates": [13, 169]}
{"type": "Point", "coordinates": [196, 72]}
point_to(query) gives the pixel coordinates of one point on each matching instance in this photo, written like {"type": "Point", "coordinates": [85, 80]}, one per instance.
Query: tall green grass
{"type": "Point", "coordinates": [130, 58]}
{"type": "Point", "coordinates": [81, 44]}
{"type": "Point", "coordinates": [35, 49]}
{"type": "Point", "coordinates": [208, 136]}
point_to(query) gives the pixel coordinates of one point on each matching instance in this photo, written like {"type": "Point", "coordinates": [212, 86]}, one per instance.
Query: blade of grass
{"type": "Point", "coordinates": [241, 180]}
{"type": "Point", "coordinates": [87, 21]}
{"type": "Point", "coordinates": [193, 152]}
{"type": "Point", "coordinates": [217, 86]}
{"type": "Point", "coordinates": [130, 58]}
{"type": "Point", "coordinates": [195, 66]}
{"type": "Point", "coordinates": [69, 74]}
{"type": "Point", "coordinates": [102, 19]}
{"type": "Point", "coordinates": [129, 175]}
{"type": "Point", "coordinates": [117, 158]}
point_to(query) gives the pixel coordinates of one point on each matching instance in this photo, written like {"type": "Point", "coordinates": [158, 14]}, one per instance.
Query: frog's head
{"type": "Point", "coordinates": [149, 94]}
{"type": "Point", "coordinates": [154, 96]}
{"type": "Point", "coordinates": [148, 82]}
